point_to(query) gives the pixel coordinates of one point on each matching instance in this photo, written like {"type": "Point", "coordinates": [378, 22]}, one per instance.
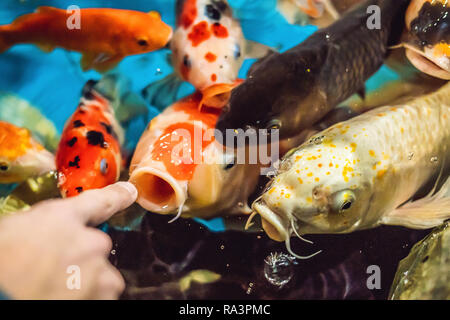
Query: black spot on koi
{"type": "Point", "coordinates": [432, 24]}
{"type": "Point", "coordinates": [212, 12]}
{"type": "Point", "coordinates": [72, 142]}
{"type": "Point", "coordinates": [220, 4]}
{"type": "Point", "coordinates": [96, 138]}
{"type": "Point", "coordinates": [109, 129]}
{"type": "Point", "coordinates": [75, 162]}
{"type": "Point", "coordinates": [78, 123]}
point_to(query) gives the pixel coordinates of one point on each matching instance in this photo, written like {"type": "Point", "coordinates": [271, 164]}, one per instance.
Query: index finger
{"type": "Point", "coordinates": [96, 206]}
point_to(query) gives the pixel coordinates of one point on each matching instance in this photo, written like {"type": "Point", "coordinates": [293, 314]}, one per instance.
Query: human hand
{"type": "Point", "coordinates": [39, 245]}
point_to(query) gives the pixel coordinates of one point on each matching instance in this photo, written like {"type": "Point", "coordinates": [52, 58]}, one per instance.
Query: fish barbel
{"type": "Point", "coordinates": [361, 173]}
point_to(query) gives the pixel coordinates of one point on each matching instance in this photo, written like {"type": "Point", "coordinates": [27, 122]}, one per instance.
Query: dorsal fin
{"type": "Point", "coordinates": [45, 9]}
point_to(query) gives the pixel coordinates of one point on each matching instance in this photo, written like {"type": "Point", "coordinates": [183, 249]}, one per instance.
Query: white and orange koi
{"type": "Point", "coordinates": [179, 167]}
{"type": "Point", "coordinates": [208, 49]}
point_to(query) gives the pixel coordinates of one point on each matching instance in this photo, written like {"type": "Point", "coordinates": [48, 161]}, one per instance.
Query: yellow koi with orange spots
{"type": "Point", "coordinates": [377, 165]}
{"type": "Point", "coordinates": [21, 156]}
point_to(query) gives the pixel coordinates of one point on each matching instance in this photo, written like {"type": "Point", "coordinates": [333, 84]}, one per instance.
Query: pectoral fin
{"type": "Point", "coordinates": [162, 93]}
{"type": "Point", "coordinates": [425, 213]}
{"type": "Point", "coordinates": [101, 62]}
{"type": "Point", "coordinates": [45, 47]}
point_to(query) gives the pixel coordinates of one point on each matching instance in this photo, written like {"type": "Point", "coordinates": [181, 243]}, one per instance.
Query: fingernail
{"type": "Point", "coordinates": [130, 188]}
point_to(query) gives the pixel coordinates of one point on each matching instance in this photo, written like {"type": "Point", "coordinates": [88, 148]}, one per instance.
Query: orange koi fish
{"type": "Point", "coordinates": [208, 49]}
{"type": "Point", "coordinates": [21, 156]}
{"type": "Point", "coordinates": [179, 167]}
{"type": "Point", "coordinates": [105, 36]}
{"type": "Point", "coordinates": [89, 154]}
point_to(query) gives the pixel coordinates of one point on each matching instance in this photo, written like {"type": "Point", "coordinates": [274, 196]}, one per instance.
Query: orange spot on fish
{"type": "Point", "coordinates": [188, 14]}
{"type": "Point", "coordinates": [199, 33]}
{"type": "Point", "coordinates": [179, 151]}
{"type": "Point", "coordinates": [210, 57]}
{"type": "Point", "coordinates": [208, 116]}
{"type": "Point", "coordinates": [372, 153]}
{"type": "Point", "coordinates": [213, 77]}
{"type": "Point", "coordinates": [219, 30]}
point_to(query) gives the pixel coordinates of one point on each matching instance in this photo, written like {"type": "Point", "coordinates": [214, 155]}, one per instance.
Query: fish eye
{"type": "Point", "coordinates": [142, 42]}
{"type": "Point", "coordinates": [230, 161]}
{"type": "Point", "coordinates": [4, 166]}
{"type": "Point", "coordinates": [274, 124]}
{"type": "Point", "coordinates": [343, 201]}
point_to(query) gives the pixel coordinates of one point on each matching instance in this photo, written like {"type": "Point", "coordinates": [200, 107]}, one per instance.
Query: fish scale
{"type": "Point", "coordinates": [383, 158]}
{"type": "Point", "coordinates": [293, 90]}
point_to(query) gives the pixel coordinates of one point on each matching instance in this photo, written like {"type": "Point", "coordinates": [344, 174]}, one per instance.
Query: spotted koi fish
{"type": "Point", "coordinates": [89, 154]}
{"type": "Point", "coordinates": [21, 156]}
{"type": "Point", "coordinates": [374, 169]}
{"type": "Point", "coordinates": [208, 49]}
{"type": "Point", "coordinates": [105, 37]}
{"type": "Point", "coordinates": [428, 42]}
{"type": "Point", "coordinates": [179, 169]}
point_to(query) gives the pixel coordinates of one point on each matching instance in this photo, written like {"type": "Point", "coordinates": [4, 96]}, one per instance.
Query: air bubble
{"type": "Point", "coordinates": [434, 159]}
{"type": "Point", "coordinates": [278, 269]}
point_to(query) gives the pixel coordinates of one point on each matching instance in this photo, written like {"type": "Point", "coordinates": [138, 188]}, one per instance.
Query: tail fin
{"type": "Point", "coordinates": [5, 43]}
{"type": "Point", "coordinates": [118, 90]}
{"type": "Point", "coordinates": [162, 93]}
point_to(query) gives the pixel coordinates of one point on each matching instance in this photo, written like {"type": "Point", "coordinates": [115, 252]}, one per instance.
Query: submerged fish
{"type": "Point", "coordinates": [179, 167]}
{"type": "Point", "coordinates": [361, 173]}
{"type": "Point", "coordinates": [104, 37]}
{"type": "Point", "coordinates": [21, 113]}
{"type": "Point", "coordinates": [293, 90]}
{"type": "Point", "coordinates": [316, 8]}
{"type": "Point", "coordinates": [208, 49]}
{"type": "Point", "coordinates": [21, 156]}
{"type": "Point", "coordinates": [428, 43]}
{"type": "Point", "coordinates": [89, 154]}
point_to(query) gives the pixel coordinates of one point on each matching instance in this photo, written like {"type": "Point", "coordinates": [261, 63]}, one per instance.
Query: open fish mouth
{"type": "Point", "coordinates": [427, 63]}
{"type": "Point", "coordinates": [158, 191]}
